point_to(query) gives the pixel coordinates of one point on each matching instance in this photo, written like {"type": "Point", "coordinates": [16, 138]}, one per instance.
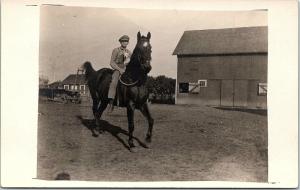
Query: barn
{"type": "Point", "coordinates": [223, 67]}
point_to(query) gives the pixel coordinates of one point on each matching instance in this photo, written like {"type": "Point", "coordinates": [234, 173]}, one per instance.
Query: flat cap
{"type": "Point", "coordinates": [124, 38]}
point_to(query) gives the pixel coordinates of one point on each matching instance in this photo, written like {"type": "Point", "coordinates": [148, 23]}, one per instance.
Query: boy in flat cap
{"type": "Point", "coordinates": [119, 59]}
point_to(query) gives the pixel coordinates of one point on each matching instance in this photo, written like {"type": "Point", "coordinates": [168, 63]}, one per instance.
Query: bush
{"type": "Point", "coordinates": [162, 89]}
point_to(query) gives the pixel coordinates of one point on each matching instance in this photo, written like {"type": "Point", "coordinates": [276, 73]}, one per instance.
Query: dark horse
{"type": "Point", "coordinates": [131, 86]}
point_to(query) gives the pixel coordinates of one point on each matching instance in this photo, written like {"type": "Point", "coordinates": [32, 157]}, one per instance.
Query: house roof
{"type": "Point", "coordinates": [74, 79]}
{"type": "Point", "coordinates": [55, 84]}
{"type": "Point", "coordinates": [223, 41]}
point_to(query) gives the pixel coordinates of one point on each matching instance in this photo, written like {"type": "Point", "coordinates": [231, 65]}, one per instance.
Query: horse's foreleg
{"type": "Point", "coordinates": [130, 117]}
{"type": "Point", "coordinates": [145, 111]}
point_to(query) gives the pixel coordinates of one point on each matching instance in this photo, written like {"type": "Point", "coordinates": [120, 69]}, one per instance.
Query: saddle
{"type": "Point", "coordinates": [121, 97]}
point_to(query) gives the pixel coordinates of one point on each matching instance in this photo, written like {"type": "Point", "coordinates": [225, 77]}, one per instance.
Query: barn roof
{"type": "Point", "coordinates": [74, 79]}
{"type": "Point", "coordinates": [223, 41]}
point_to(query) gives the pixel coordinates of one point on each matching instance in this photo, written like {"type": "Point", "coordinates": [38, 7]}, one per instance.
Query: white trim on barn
{"type": "Point", "coordinates": [202, 83]}
{"type": "Point", "coordinates": [262, 89]}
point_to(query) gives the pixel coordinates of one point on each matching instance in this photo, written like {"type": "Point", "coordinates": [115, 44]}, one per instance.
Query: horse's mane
{"type": "Point", "coordinates": [134, 58]}
{"type": "Point", "coordinates": [134, 68]}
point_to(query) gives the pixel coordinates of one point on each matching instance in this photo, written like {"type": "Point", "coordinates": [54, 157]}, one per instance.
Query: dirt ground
{"type": "Point", "coordinates": [189, 143]}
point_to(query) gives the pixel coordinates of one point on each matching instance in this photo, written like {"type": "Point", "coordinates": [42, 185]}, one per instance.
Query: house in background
{"type": "Point", "coordinates": [223, 67]}
{"type": "Point", "coordinates": [76, 82]}
{"type": "Point", "coordinates": [55, 85]}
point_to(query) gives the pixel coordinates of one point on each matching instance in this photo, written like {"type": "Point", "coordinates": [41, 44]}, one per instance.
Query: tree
{"type": "Point", "coordinates": [161, 86]}
{"type": "Point", "coordinates": [43, 80]}
{"type": "Point", "coordinates": [150, 84]}
{"type": "Point", "coordinates": [166, 86]}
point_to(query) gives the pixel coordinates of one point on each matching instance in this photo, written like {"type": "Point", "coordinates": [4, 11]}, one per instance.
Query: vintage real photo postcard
{"type": "Point", "coordinates": [192, 104]}
{"type": "Point", "coordinates": [153, 95]}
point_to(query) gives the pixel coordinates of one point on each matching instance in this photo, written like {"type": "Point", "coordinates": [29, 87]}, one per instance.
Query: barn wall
{"type": "Point", "coordinates": [239, 74]}
{"type": "Point", "coordinates": [253, 99]}
{"type": "Point", "coordinates": [223, 67]}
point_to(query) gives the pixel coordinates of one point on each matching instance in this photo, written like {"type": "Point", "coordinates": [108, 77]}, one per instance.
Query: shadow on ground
{"type": "Point", "coordinates": [107, 127]}
{"type": "Point", "coordinates": [262, 112]}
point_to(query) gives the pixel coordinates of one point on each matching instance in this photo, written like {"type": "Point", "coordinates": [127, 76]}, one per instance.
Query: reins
{"type": "Point", "coordinates": [126, 84]}
{"type": "Point", "coordinates": [136, 57]}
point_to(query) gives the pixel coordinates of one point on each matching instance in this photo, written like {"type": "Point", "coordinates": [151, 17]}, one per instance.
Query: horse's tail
{"type": "Point", "coordinates": [89, 70]}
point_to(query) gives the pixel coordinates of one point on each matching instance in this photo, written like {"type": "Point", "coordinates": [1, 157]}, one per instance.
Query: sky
{"type": "Point", "coordinates": [69, 36]}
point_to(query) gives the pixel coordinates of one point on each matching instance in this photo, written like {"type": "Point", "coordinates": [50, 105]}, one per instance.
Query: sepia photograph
{"type": "Point", "coordinates": [149, 94]}
{"type": "Point", "coordinates": [140, 95]}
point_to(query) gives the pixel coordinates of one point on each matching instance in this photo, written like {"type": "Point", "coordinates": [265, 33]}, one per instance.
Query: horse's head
{"type": "Point", "coordinates": [144, 49]}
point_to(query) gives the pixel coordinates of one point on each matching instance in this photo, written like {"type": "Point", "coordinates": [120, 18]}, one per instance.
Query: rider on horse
{"type": "Point", "coordinates": [136, 92]}
{"type": "Point", "coordinates": [119, 59]}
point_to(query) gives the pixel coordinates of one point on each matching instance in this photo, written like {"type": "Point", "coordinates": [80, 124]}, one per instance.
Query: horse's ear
{"type": "Point", "coordinates": [149, 35]}
{"type": "Point", "coordinates": [139, 36]}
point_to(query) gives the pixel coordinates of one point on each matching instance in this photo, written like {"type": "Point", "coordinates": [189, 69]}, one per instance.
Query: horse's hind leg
{"type": "Point", "coordinates": [95, 111]}
{"type": "Point", "coordinates": [95, 106]}
{"type": "Point", "coordinates": [145, 111]}
{"type": "Point", "coordinates": [102, 107]}
{"type": "Point", "coordinates": [96, 115]}
{"type": "Point", "coordinates": [130, 117]}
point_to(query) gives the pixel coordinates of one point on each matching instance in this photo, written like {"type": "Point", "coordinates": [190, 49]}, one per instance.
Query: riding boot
{"type": "Point", "coordinates": [111, 105]}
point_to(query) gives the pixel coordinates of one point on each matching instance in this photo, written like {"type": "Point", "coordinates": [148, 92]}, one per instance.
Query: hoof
{"type": "Point", "coordinates": [133, 149]}
{"type": "Point", "coordinates": [131, 144]}
{"type": "Point", "coordinates": [148, 139]}
{"type": "Point", "coordinates": [97, 122]}
{"type": "Point", "coordinates": [147, 146]}
{"type": "Point", "coordinates": [99, 129]}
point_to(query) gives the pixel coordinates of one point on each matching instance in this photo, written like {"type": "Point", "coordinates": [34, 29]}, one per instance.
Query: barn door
{"type": "Point", "coordinates": [240, 93]}
{"type": "Point", "coordinates": [227, 93]}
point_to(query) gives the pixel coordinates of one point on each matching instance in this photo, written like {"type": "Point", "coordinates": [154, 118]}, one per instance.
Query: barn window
{"type": "Point", "coordinates": [75, 87]}
{"type": "Point", "coordinates": [66, 87]}
{"type": "Point", "coordinates": [202, 83]}
{"type": "Point", "coordinates": [194, 88]}
{"type": "Point", "coordinates": [183, 87]}
{"type": "Point", "coordinates": [262, 89]}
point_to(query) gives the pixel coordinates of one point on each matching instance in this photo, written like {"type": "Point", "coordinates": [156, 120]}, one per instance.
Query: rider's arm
{"type": "Point", "coordinates": [128, 56]}
{"type": "Point", "coordinates": [113, 63]}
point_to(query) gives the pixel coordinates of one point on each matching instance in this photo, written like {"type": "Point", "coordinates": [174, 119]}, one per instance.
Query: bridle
{"type": "Point", "coordinates": [147, 60]}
